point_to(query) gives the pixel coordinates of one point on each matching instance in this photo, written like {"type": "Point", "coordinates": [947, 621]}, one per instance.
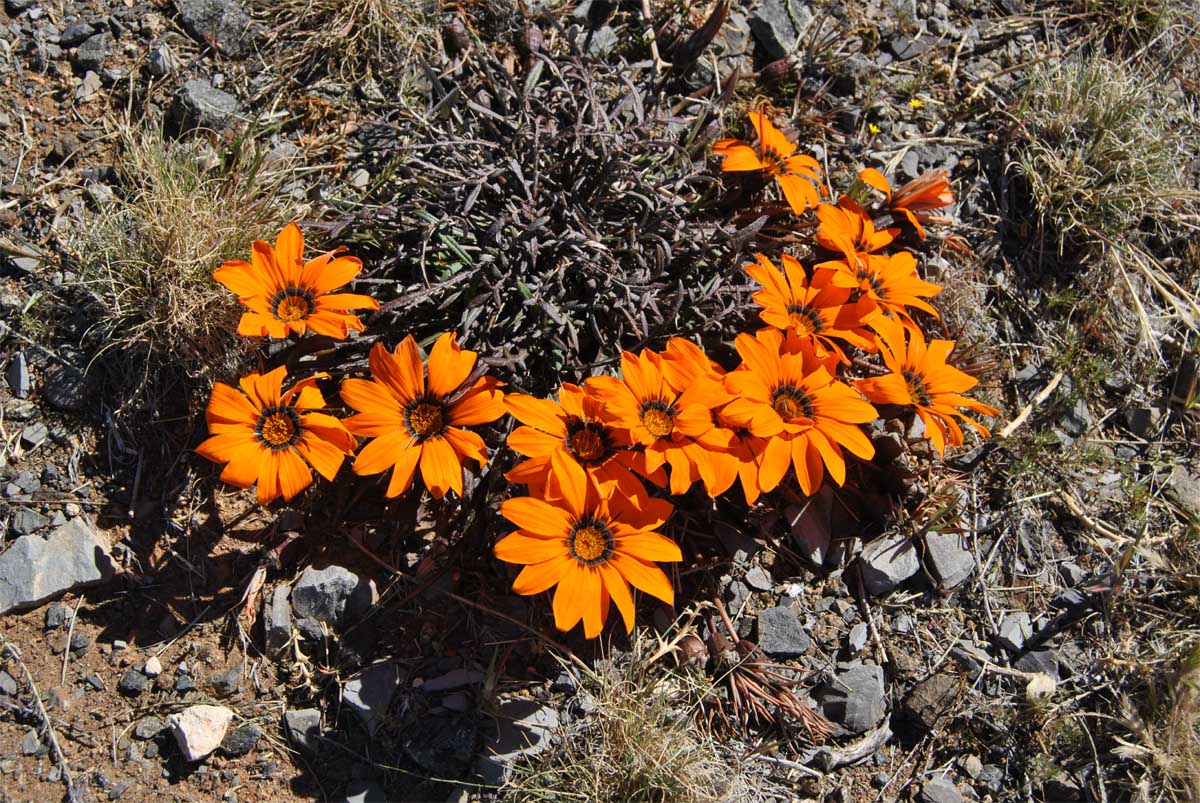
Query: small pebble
{"type": "Point", "coordinates": [152, 667]}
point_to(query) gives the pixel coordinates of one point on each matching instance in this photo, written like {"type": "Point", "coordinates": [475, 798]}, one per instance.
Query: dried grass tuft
{"type": "Point", "coordinates": [146, 257]}
{"type": "Point", "coordinates": [633, 747]}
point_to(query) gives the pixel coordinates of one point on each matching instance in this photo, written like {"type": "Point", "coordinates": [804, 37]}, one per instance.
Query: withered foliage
{"type": "Point", "coordinates": [553, 218]}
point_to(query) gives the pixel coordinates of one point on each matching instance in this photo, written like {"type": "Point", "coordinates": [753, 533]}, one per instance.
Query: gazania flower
{"type": "Point", "coordinates": [849, 229]}
{"type": "Point", "coordinates": [286, 295]}
{"type": "Point", "coordinates": [787, 383]}
{"type": "Point", "coordinates": [267, 436]}
{"type": "Point", "coordinates": [418, 419]}
{"type": "Point", "coordinates": [573, 428]}
{"type": "Point", "coordinates": [799, 175]}
{"type": "Point", "coordinates": [667, 421]}
{"type": "Point", "coordinates": [920, 377]}
{"type": "Point", "coordinates": [930, 190]}
{"type": "Point", "coordinates": [818, 309]}
{"type": "Point", "coordinates": [593, 548]}
{"type": "Point", "coordinates": [891, 281]}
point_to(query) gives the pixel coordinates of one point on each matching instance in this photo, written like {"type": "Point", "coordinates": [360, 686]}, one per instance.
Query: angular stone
{"type": "Point", "coordinates": [947, 559]}
{"type": "Point", "coordinates": [931, 702]}
{"type": "Point", "coordinates": [226, 682]}
{"type": "Point", "coordinates": [199, 104]}
{"type": "Point", "coordinates": [220, 23]}
{"type": "Point", "coordinates": [328, 596]}
{"type": "Point", "coordinates": [34, 435]}
{"type": "Point", "coordinates": [524, 728]}
{"type": "Point", "coordinates": [773, 26]}
{"type": "Point", "coordinates": [8, 684]}
{"type": "Point", "coordinates": [780, 634]}
{"type": "Point", "coordinates": [365, 791]}
{"type": "Point", "coordinates": [16, 374]}
{"type": "Point", "coordinates": [35, 569]}
{"type": "Point", "coordinates": [1014, 629]}
{"type": "Point", "coordinates": [277, 620]}
{"type": "Point", "coordinates": [854, 698]}
{"type": "Point", "coordinates": [133, 682]}
{"type": "Point", "coordinates": [1183, 488]}
{"type": "Point", "coordinates": [75, 33]}
{"type": "Point", "coordinates": [940, 790]}
{"type": "Point", "coordinates": [26, 522]}
{"type": "Point", "coordinates": [90, 55]}
{"type": "Point", "coordinates": [303, 727]}
{"type": "Point", "coordinates": [199, 729]}
{"type": "Point", "coordinates": [454, 679]}
{"type": "Point", "coordinates": [148, 728]}
{"type": "Point", "coordinates": [241, 741]}
{"type": "Point", "coordinates": [887, 562]}
{"type": "Point", "coordinates": [370, 692]}
{"type": "Point", "coordinates": [56, 615]}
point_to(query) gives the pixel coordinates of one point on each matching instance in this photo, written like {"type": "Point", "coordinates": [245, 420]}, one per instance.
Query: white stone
{"type": "Point", "coordinates": [200, 729]}
{"type": "Point", "coordinates": [153, 667]}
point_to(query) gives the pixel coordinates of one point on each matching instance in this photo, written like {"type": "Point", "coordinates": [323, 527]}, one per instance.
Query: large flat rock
{"type": "Point", "coordinates": [35, 569]}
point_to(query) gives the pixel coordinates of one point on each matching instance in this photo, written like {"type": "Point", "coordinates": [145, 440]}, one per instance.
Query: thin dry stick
{"type": "Point", "coordinates": [1012, 426]}
{"type": "Point", "coordinates": [70, 633]}
{"type": "Point", "coordinates": [63, 767]}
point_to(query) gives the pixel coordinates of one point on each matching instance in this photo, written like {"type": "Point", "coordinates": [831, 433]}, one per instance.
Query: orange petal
{"type": "Point", "coordinates": [441, 468]}
{"type": "Point", "coordinates": [537, 577]}
{"type": "Point", "coordinates": [320, 454]}
{"type": "Point", "coordinates": [569, 599]}
{"type": "Point", "coordinates": [591, 598]}
{"type": "Point", "coordinates": [244, 469]}
{"type": "Point", "coordinates": [345, 301]}
{"type": "Point", "coordinates": [520, 548]}
{"type": "Point", "coordinates": [289, 254]}
{"type": "Point", "coordinates": [536, 516]}
{"type": "Point", "coordinates": [370, 397]}
{"type": "Point", "coordinates": [376, 456]}
{"type": "Point", "coordinates": [403, 470]}
{"type": "Point", "coordinates": [571, 480]}
{"type": "Point", "coordinates": [541, 414]}
{"type": "Point", "coordinates": [618, 589]}
{"type": "Point", "coordinates": [449, 365]}
{"type": "Point", "coordinates": [227, 405]}
{"type": "Point", "coordinates": [467, 444]}
{"type": "Point", "coordinates": [323, 275]}
{"type": "Point", "coordinates": [649, 547]}
{"type": "Point", "coordinates": [482, 404]}
{"type": "Point", "coordinates": [241, 278]}
{"type": "Point", "coordinates": [402, 373]}
{"type": "Point", "coordinates": [739, 157]}
{"type": "Point", "coordinates": [644, 577]}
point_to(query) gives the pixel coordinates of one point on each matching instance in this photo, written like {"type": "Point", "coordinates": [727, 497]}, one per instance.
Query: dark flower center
{"type": "Point", "coordinates": [590, 542]}
{"type": "Point", "coordinates": [292, 304]}
{"type": "Point", "coordinates": [791, 402]}
{"type": "Point", "coordinates": [658, 418]}
{"type": "Point", "coordinates": [588, 442]}
{"type": "Point", "coordinates": [871, 279]}
{"type": "Point", "coordinates": [425, 418]}
{"type": "Point", "coordinates": [277, 427]}
{"type": "Point", "coordinates": [806, 320]}
{"type": "Point", "coordinates": [918, 391]}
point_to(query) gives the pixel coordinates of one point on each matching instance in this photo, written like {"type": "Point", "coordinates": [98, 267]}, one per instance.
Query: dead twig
{"type": "Point", "coordinates": [60, 757]}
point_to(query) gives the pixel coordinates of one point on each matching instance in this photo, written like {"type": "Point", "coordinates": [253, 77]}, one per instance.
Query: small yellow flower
{"type": "Point", "coordinates": [916, 103]}
{"type": "Point", "coordinates": [874, 129]}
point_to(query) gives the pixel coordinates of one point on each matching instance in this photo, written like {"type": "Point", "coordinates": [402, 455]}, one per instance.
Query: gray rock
{"type": "Point", "coordinates": [241, 741]}
{"type": "Point", "coordinates": [370, 692]}
{"type": "Point", "coordinates": [8, 684]}
{"type": "Point", "coordinates": [148, 728]}
{"type": "Point", "coordinates": [67, 388]}
{"type": "Point", "coordinates": [91, 53]}
{"type": "Point", "coordinates": [132, 683]}
{"type": "Point", "coordinates": [329, 596]}
{"type": "Point", "coordinates": [454, 679]}
{"type": "Point", "coordinates": [16, 374]}
{"type": "Point", "coordinates": [31, 743]}
{"type": "Point", "coordinates": [35, 569]}
{"type": "Point", "coordinates": [603, 41]}
{"type": "Point", "coordinates": [858, 638]}
{"type": "Point", "coordinates": [931, 702]}
{"type": "Point", "coordinates": [1044, 661]}
{"type": "Point", "coordinates": [226, 682]}
{"type": "Point", "coordinates": [15, 7]}
{"type": "Point", "coordinates": [780, 634]}
{"type": "Point", "coordinates": [277, 619]}
{"type": "Point", "coordinates": [1142, 421]}
{"type": "Point", "coordinates": [27, 522]}
{"type": "Point", "coordinates": [524, 728]}
{"type": "Point", "coordinates": [75, 33]}
{"type": "Point", "coordinates": [365, 791]}
{"type": "Point", "coordinates": [1014, 629]}
{"type": "Point", "coordinates": [162, 61]}
{"type": "Point", "coordinates": [200, 729]}
{"type": "Point", "coordinates": [565, 683]}
{"type": "Point", "coordinates": [219, 23]}
{"type": "Point", "coordinates": [1183, 488]}
{"type": "Point", "coordinates": [947, 559]}
{"type": "Point", "coordinates": [758, 579]}
{"type": "Point", "coordinates": [89, 86]}
{"type": "Point", "coordinates": [34, 435]}
{"type": "Point", "coordinates": [1076, 421]}
{"type": "Point", "coordinates": [940, 790]}
{"type": "Point", "coordinates": [854, 698]}
{"type": "Point", "coordinates": [303, 727]}
{"type": "Point", "coordinates": [905, 47]}
{"type": "Point", "coordinates": [888, 561]}
{"type": "Point", "coordinates": [774, 29]}
{"type": "Point", "coordinates": [200, 105]}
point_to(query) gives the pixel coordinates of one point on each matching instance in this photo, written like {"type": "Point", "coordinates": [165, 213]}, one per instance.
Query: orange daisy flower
{"type": "Point", "coordinates": [921, 378]}
{"type": "Point", "coordinates": [415, 419]}
{"type": "Point", "coordinates": [666, 420]}
{"type": "Point", "coordinates": [891, 281]}
{"type": "Point", "coordinates": [849, 229]}
{"type": "Point", "coordinates": [930, 190]}
{"type": "Point", "coordinates": [286, 295]}
{"type": "Point", "coordinates": [267, 436]}
{"type": "Point", "coordinates": [573, 426]}
{"type": "Point", "coordinates": [817, 308]}
{"type": "Point", "coordinates": [788, 382]}
{"type": "Point", "coordinates": [799, 175]}
{"type": "Point", "coordinates": [593, 548]}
